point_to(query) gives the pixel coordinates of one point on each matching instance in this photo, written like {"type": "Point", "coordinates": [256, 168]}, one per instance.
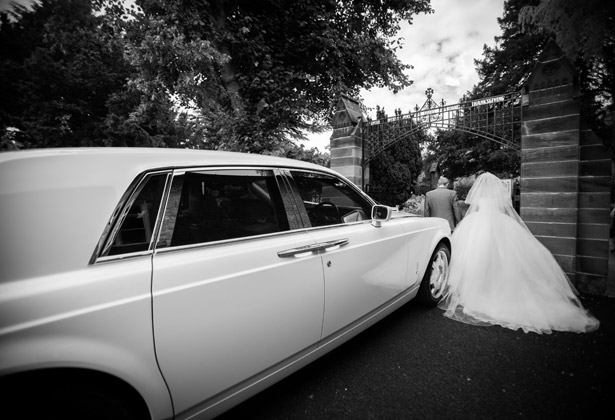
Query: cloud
{"type": "Point", "coordinates": [442, 47]}
{"type": "Point", "coordinates": [440, 44]}
{"type": "Point", "coordinates": [451, 81]}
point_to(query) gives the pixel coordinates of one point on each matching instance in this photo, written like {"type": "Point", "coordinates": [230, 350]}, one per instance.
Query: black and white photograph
{"type": "Point", "coordinates": [307, 210]}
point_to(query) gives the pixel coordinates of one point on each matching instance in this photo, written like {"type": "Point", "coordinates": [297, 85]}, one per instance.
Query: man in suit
{"type": "Point", "coordinates": [442, 202]}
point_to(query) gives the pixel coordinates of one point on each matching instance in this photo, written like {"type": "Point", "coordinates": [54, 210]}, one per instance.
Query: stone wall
{"type": "Point", "coordinates": [593, 214]}
{"type": "Point", "coordinates": [565, 174]}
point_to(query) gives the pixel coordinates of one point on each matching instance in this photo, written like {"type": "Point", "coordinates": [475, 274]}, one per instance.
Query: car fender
{"type": "Point", "coordinates": [442, 234]}
{"type": "Point", "coordinates": [97, 319]}
{"type": "Point", "coordinates": [138, 370]}
{"type": "Point", "coordinates": [433, 231]}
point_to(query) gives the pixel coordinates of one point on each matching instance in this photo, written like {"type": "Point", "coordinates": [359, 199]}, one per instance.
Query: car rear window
{"type": "Point", "coordinates": [134, 228]}
{"type": "Point", "coordinates": [214, 205]}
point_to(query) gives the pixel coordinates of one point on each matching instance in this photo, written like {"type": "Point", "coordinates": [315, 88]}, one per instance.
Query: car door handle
{"type": "Point", "coordinates": [332, 245]}
{"type": "Point", "coordinates": [302, 251]}
{"type": "Point", "coordinates": [305, 251]}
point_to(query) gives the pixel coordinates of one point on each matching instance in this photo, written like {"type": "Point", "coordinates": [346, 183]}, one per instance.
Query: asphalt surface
{"type": "Point", "coordinates": [417, 364]}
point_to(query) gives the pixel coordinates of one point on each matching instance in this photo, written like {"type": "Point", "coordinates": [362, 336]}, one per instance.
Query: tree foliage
{"type": "Point", "coordinates": [582, 30]}
{"type": "Point", "coordinates": [585, 33]}
{"type": "Point", "coordinates": [291, 150]}
{"type": "Point", "coordinates": [506, 66]}
{"type": "Point", "coordinates": [58, 70]}
{"type": "Point", "coordinates": [223, 74]}
{"type": "Point", "coordinates": [393, 174]}
{"type": "Point", "coordinates": [66, 81]}
{"type": "Point", "coordinates": [263, 71]}
{"type": "Point", "coordinates": [461, 154]}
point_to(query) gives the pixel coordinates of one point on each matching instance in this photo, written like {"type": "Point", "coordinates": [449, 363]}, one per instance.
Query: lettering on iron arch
{"type": "Point", "coordinates": [488, 101]}
{"type": "Point", "coordinates": [506, 100]}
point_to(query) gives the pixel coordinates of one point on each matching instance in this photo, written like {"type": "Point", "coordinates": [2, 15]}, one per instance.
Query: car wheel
{"type": "Point", "coordinates": [434, 281]}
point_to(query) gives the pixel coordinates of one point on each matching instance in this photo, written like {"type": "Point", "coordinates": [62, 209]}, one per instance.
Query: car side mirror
{"type": "Point", "coordinates": [380, 214]}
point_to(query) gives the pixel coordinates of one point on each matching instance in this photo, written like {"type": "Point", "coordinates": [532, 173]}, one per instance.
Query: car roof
{"type": "Point", "coordinates": [156, 156]}
{"type": "Point", "coordinates": [55, 203]}
{"type": "Point", "coordinates": [116, 166]}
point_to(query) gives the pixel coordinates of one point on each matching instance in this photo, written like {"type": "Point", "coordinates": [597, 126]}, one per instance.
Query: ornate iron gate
{"type": "Point", "coordinates": [497, 118]}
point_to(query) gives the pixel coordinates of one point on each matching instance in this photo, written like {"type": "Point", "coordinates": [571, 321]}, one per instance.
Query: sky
{"type": "Point", "coordinates": [442, 47]}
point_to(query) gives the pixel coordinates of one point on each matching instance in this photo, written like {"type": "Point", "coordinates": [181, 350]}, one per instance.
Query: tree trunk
{"type": "Point", "coordinates": [227, 72]}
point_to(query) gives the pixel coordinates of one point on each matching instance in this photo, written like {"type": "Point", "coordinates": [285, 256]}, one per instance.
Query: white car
{"type": "Point", "coordinates": [159, 284]}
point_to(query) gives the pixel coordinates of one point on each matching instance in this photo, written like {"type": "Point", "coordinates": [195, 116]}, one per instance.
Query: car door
{"type": "Point", "coordinates": [364, 266]}
{"type": "Point", "coordinates": [234, 297]}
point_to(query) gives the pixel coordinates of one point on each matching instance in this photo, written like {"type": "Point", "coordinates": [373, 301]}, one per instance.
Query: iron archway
{"type": "Point", "coordinates": [496, 118]}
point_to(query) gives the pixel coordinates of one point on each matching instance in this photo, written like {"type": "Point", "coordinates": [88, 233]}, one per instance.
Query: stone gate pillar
{"type": "Point", "coordinates": [564, 174]}
{"type": "Point", "coordinates": [346, 144]}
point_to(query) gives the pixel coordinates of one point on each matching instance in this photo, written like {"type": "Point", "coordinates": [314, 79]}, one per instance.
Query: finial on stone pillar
{"type": "Point", "coordinates": [348, 112]}
{"type": "Point", "coordinates": [552, 70]}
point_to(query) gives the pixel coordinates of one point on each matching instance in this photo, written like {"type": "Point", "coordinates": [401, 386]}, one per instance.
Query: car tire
{"type": "Point", "coordinates": [434, 280]}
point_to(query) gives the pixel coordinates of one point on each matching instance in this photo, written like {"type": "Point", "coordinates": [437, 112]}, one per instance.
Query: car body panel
{"type": "Point", "coordinates": [192, 329]}
{"type": "Point", "coordinates": [425, 234]}
{"type": "Point", "coordinates": [205, 295]}
{"type": "Point", "coordinates": [355, 282]}
{"type": "Point", "coordinates": [98, 318]}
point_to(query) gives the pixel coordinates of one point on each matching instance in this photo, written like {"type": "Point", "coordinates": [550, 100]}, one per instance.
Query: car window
{"type": "Point", "coordinates": [213, 205]}
{"type": "Point", "coordinates": [135, 226]}
{"type": "Point", "coordinates": [329, 200]}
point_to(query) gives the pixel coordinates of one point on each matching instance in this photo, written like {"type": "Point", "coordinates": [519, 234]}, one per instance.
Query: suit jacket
{"type": "Point", "coordinates": [442, 202]}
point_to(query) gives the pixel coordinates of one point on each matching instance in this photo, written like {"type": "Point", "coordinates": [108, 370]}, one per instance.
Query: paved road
{"type": "Point", "coordinates": [417, 364]}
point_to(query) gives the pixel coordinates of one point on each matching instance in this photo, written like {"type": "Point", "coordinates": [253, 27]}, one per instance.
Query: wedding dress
{"type": "Point", "coordinates": [501, 274]}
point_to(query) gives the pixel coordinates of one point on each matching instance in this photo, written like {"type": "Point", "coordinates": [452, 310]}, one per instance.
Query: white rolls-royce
{"type": "Point", "coordinates": [158, 283]}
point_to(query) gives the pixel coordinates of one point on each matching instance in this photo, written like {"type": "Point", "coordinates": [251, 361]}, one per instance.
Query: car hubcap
{"type": "Point", "coordinates": [439, 271]}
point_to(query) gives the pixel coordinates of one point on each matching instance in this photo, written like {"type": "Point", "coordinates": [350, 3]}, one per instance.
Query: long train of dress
{"type": "Point", "coordinates": [501, 274]}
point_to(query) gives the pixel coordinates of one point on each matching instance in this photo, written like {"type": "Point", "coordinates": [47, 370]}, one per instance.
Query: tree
{"type": "Point", "coordinates": [461, 154]}
{"type": "Point", "coordinates": [582, 31]}
{"type": "Point", "coordinates": [260, 72]}
{"type": "Point", "coordinates": [291, 150]}
{"type": "Point", "coordinates": [238, 75]}
{"type": "Point", "coordinates": [506, 66]}
{"type": "Point", "coordinates": [59, 68]}
{"type": "Point", "coordinates": [394, 172]}
{"type": "Point", "coordinates": [585, 33]}
{"type": "Point", "coordinates": [65, 80]}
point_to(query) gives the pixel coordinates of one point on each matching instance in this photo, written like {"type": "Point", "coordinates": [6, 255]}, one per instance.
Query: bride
{"type": "Point", "coordinates": [501, 274]}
